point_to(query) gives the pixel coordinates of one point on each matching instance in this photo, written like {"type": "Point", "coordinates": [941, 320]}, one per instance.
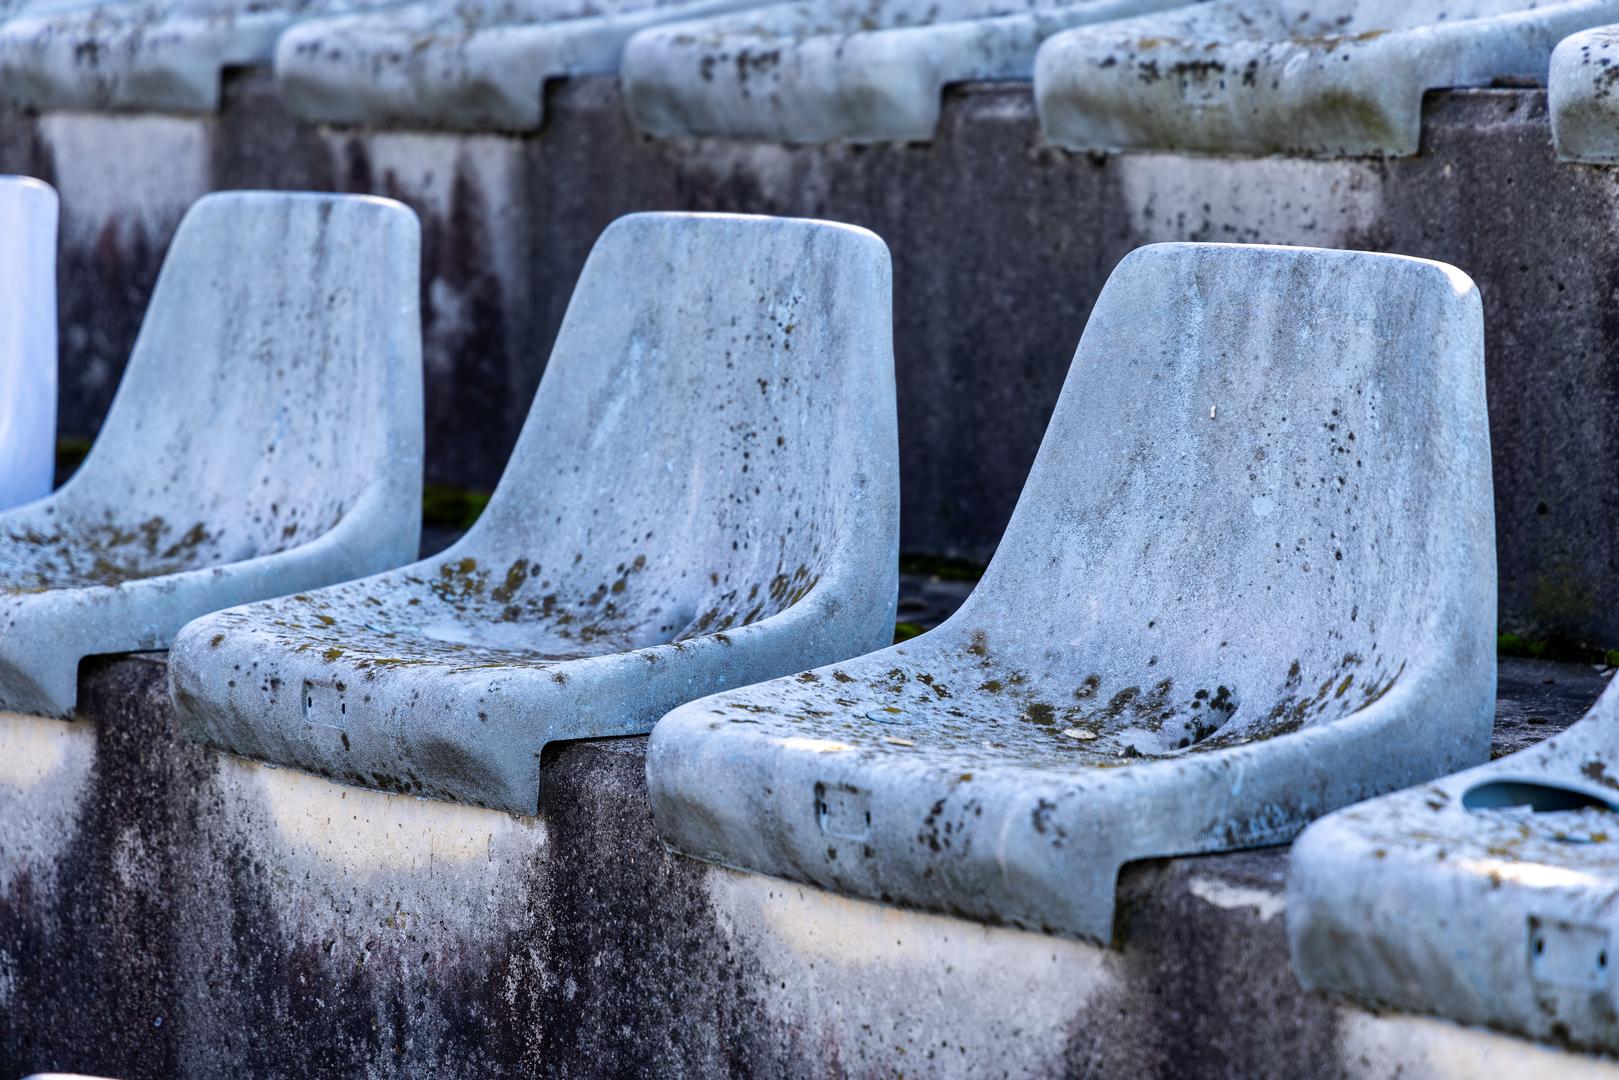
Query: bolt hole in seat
{"type": "Point", "coordinates": [851, 70]}
{"type": "Point", "coordinates": [266, 437]}
{"type": "Point", "coordinates": [28, 210]}
{"type": "Point", "coordinates": [1251, 578]}
{"type": "Point", "coordinates": [460, 64]}
{"type": "Point", "coordinates": [1340, 78]}
{"type": "Point", "coordinates": [1487, 897]}
{"type": "Point", "coordinates": [704, 495]}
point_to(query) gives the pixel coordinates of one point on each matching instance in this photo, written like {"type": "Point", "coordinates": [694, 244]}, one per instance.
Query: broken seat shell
{"type": "Point", "coordinates": [853, 70]}
{"type": "Point", "coordinates": [705, 494]}
{"type": "Point", "coordinates": [1251, 578]}
{"type": "Point", "coordinates": [28, 211]}
{"type": "Point", "coordinates": [1490, 897]}
{"type": "Point", "coordinates": [1339, 78]}
{"type": "Point", "coordinates": [266, 438]}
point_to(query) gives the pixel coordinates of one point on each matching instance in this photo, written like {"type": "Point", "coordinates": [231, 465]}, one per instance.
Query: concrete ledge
{"type": "Point", "coordinates": [1001, 245]}
{"type": "Point", "coordinates": [170, 912]}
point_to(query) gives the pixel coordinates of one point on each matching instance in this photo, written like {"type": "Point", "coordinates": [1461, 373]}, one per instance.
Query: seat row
{"type": "Point", "coordinates": [1250, 580]}
{"type": "Point", "coordinates": [1230, 77]}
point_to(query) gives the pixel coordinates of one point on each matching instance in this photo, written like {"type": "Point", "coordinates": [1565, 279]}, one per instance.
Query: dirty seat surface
{"type": "Point", "coordinates": [1332, 79]}
{"type": "Point", "coordinates": [266, 437]}
{"type": "Point", "coordinates": [1582, 97]}
{"type": "Point", "coordinates": [27, 339]}
{"type": "Point", "coordinates": [168, 55]}
{"type": "Point", "coordinates": [1487, 897]}
{"type": "Point", "coordinates": [466, 64]}
{"type": "Point", "coordinates": [705, 494]}
{"type": "Point", "coordinates": [1250, 579]}
{"type": "Point", "coordinates": [856, 70]}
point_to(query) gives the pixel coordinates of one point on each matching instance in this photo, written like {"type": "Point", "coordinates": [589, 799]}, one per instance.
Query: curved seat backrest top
{"type": "Point", "coordinates": [1301, 547]}
{"type": "Point", "coordinates": [1296, 21]}
{"type": "Point", "coordinates": [698, 425]}
{"type": "Point", "coordinates": [856, 16]}
{"type": "Point", "coordinates": [269, 308]}
{"type": "Point", "coordinates": [28, 213]}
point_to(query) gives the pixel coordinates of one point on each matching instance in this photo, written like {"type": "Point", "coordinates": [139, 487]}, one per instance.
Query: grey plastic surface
{"type": "Point", "coordinates": [1581, 93]}
{"type": "Point", "coordinates": [1251, 578]}
{"type": "Point", "coordinates": [854, 70]}
{"type": "Point", "coordinates": [28, 210]}
{"type": "Point", "coordinates": [159, 55]}
{"type": "Point", "coordinates": [1490, 897]}
{"type": "Point", "coordinates": [1331, 79]}
{"type": "Point", "coordinates": [469, 64]}
{"type": "Point", "coordinates": [705, 495]}
{"type": "Point", "coordinates": [266, 438]}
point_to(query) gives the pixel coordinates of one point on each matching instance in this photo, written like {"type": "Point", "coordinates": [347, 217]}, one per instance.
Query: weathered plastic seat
{"type": "Point", "coordinates": [27, 339]}
{"type": "Point", "coordinates": [160, 55]}
{"type": "Point", "coordinates": [1288, 76]}
{"type": "Point", "coordinates": [1251, 578]}
{"type": "Point", "coordinates": [1486, 897]}
{"type": "Point", "coordinates": [705, 495]}
{"type": "Point", "coordinates": [266, 438]}
{"type": "Point", "coordinates": [468, 64]}
{"type": "Point", "coordinates": [1583, 99]}
{"type": "Point", "coordinates": [855, 70]}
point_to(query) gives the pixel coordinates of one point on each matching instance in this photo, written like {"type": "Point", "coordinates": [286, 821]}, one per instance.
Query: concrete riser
{"type": "Point", "coordinates": [168, 912]}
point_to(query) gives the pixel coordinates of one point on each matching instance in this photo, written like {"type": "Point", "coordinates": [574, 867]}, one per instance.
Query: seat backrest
{"type": "Point", "coordinates": [716, 419]}
{"type": "Point", "coordinates": [276, 374]}
{"type": "Point", "coordinates": [27, 339]}
{"type": "Point", "coordinates": [1268, 473]}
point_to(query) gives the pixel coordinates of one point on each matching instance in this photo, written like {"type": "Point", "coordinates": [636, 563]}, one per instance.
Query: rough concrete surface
{"type": "Point", "coordinates": [169, 912]}
{"type": "Point", "coordinates": [1000, 244]}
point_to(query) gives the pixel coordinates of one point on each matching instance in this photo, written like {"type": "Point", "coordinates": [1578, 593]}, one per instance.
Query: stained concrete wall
{"type": "Point", "coordinates": [170, 912]}
{"type": "Point", "coordinates": [1000, 243]}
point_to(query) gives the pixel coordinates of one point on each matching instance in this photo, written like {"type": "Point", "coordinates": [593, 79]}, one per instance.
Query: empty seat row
{"type": "Point", "coordinates": [1227, 77]}
{"type": "Point", "coordinates": [1250, 581]}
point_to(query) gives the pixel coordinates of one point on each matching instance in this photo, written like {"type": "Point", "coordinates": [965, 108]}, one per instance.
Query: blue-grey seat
{"type": "Point", "coordinates": [27, 339]}
{"type": "Point", "coordinates": [1251, 579]}
{"type": "Point", "coordinates": [705, 494]}
{"type": "Point", "coordinates": [266, 438]}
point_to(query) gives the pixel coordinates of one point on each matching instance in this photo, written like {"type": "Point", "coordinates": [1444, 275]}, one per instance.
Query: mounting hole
{"type": "Point", "coordinates": [1536, 797]}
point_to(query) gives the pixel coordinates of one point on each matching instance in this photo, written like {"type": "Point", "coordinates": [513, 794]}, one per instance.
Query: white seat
{"type": "Point", "coordinates": [27, 339]}
{"type": "Point", "coordinates": [266, 438]}
{"type": "Point", "coordinates": [1251, 578]}
{"type": "Point", "coordinates": [705, 495]}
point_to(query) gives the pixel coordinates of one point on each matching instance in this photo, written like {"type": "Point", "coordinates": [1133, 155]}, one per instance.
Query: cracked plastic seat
{"type": "Point", "coordinates": [1251, 578]}
{"type": "Point", "coordinates": [705, 494]}
{"type": "Point", "coordinates": [855, 70]}
{"type": "Point", "coordinates": [266, 438]}
{"type": "Point", "coordinates": [1486, 897]}
{"type": "Point", "coordinates": [1284, 76]}
{"type": "Point", "coordinates": [1581, 95]}
{"type": "Point", "coordinates": [160, 55]}
{"type": "Point", "coordinates": [27, 339]}
{"type": "Point", "coordinates": [467, 64]}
